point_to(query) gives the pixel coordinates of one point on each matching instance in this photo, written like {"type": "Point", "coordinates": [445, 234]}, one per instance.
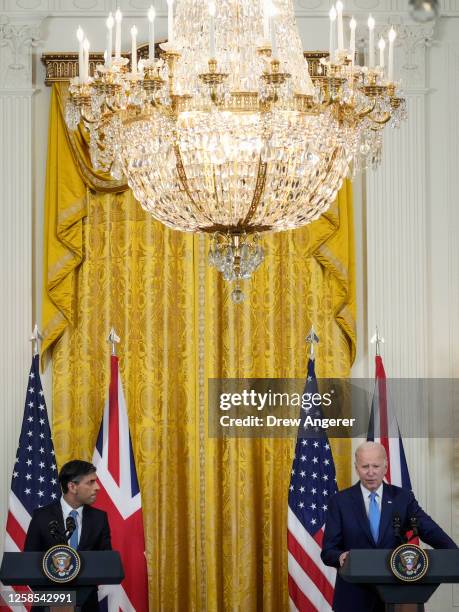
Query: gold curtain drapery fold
{"type": "Point", "coordinates": [214, 510]}
{"type": "Point", "coordinates": [69, 175]}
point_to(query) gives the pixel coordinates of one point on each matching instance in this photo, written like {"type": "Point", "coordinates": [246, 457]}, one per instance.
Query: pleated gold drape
{"type": "Point", "coordinates": [214, 511]}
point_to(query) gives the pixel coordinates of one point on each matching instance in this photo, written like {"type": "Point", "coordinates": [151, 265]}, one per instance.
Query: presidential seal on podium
{"type": "Point", "coordinates": [61, 563]}
{"type": "Point", "coordinates": [409, 562]}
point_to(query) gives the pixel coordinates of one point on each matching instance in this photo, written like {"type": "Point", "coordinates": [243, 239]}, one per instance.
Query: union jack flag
{"type": "Point", "coordinates": [383, 428]}
{"type": "Point", "coordinates": [119, 496]}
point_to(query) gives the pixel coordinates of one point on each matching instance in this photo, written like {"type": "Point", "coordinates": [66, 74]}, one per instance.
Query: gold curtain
{"type": "Point", "coordinates": [214, 510]}
{"type": "Point", "coordinates": [69, 175]}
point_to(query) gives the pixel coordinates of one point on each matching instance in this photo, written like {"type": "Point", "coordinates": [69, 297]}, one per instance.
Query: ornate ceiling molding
{"type": "Point", "coordinates": [17, 38]}
{"type": "Point", "coordinates": [309, 8]}
{"type": "Point", "coordinates": [411, 43]}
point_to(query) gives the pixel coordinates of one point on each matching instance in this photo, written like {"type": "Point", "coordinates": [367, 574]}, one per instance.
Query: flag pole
{"type": "Point", "coordinates": [307, 505]}
{"type": "Point", "coordinates": [312, 339]}
{"type": "Point", "coordinates": [377, 339]}
{"type": "Point", "coordinates": [120, 495]}
{"type": "Point", "coordinates": [113, 339]}
{"type": "Point", "coordinates": [35, 339]}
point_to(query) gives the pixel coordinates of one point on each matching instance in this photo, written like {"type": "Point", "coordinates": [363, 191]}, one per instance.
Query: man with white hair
{"type": "Point", "coordinates": [362, 517]}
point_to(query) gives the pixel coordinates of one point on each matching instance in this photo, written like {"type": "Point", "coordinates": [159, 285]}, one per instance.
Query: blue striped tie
{"type": "Point", "coordinates": [74, 537]}
{"type": "Point", "coordinates": [374, 516]}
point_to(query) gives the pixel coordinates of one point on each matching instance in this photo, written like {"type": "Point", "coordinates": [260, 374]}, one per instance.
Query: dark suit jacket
{"type": "Point", "coordinates": [95, 535]}
{"type": "Point", "coordinates": [347, 527]}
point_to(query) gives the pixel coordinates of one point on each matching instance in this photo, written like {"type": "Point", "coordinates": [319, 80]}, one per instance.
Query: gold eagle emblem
{"type": "Point", "coordinates": [61, 562]}
{"type": "Point", "coordinates": [409, 560]}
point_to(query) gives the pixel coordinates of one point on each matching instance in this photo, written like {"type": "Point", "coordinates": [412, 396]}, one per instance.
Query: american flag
{"type": "Point", "coordinates": [310, 582]}
{"type": "Point", "coordinates": [35, 477]}
{"type": "Point", "coordinates": [383, 428]}
{"type": "Point", "coordinates": [120, 497]}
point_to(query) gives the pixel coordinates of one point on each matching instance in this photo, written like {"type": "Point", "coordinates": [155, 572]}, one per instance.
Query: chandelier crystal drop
{"type": "Point", "coordinates": [227, 132]}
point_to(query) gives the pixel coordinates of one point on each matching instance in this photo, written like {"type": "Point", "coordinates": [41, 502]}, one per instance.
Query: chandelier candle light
{"type": "Point", "coordinates": [226, 132]}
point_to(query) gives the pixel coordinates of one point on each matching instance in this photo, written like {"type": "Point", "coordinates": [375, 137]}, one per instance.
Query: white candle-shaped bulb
{"type": "Point", "coordinates": [170, 21]}
{"type": "Point", "coordinates": [110, 23]}
{"type": "Point", "coordinates": [118, 20]}
{"type": "Point", "coordinates": [80, 38]}
{"type": "Point", "coordinates": [212, 10]}
{"type": "Point", "coordinates": [371, 42]}
{"type": "Point", "coordinates": [390, 68]}
{"type": "Point", "coordinates": [381, 47]}
{"type": "Point", "coordinates": [86, 60]}
{"type": "Point", "coordinates": [266, 19]}
{"type": "Point", "coordinates": [272, 26]}
{"type": "Point", "coordinates": [134, 50]}
{"type": "Point", "coordinates": [352, 26]}
{"type": "Point", "coordinates": [339, 13]}
{"type": "Point", "coordinates": [332, 15]}
{"type": "Point", "coordinates": [151, 32]}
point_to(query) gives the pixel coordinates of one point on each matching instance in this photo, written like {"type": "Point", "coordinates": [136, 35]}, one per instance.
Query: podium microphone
{"type": "Point", "coordinates": [414, 528]}
{"type": "Point", "coordinates": [70, 527]}
{"type": "Point", "coordinates": [397, 525]}
{"type": "Point", "coordinates": [56, 534]}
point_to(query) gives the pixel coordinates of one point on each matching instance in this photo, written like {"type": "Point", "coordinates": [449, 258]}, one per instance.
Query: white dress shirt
{"type": "Point", "coordinates": [366, 496]}
{"type": "Point", "coordinates": [67, 509]}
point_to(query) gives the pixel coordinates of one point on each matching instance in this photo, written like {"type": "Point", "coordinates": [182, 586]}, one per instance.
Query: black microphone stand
{"type": "Point", "coordinates": [70, 528]}
{"type": "Point", "coordinates": [397, 526]}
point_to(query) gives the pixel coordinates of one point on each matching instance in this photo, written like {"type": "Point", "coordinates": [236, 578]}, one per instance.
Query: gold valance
{"type": "Point", "coordinates": [64, 66]}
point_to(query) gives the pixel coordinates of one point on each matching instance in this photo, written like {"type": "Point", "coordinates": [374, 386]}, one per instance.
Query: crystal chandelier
{"type": "Point", "coordinates": [226, 132]}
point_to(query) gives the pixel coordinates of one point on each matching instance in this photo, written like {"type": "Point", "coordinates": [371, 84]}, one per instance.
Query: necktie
{"type": "Point", "coordinates": [73, 542]}
{"type": "Point", "coordinates": [374, 516]}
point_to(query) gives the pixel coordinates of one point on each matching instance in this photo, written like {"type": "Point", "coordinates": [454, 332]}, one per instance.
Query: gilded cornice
{"type": "Point", "coordinates": [63, 66]}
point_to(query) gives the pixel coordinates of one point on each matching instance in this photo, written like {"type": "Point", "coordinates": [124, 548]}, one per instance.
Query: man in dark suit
{"type": "Point", "coordinates": [78, 481]}
{"type": "Point", "coordinates": [362, 517]}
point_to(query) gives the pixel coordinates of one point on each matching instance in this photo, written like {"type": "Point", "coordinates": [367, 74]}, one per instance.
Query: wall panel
{"type": "Point", "coordinates": [15, 274]}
